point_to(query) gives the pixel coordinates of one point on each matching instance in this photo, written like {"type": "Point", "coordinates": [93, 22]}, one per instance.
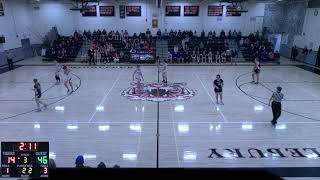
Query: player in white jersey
{"type": "Point", "coordinates": [138, 77]}
{"type": "Point", "coordinates": [57, 72]}
{"type": "Point", "coordinates": [163, 70]}
{"type": "Point", "coordinates": [67, 80]}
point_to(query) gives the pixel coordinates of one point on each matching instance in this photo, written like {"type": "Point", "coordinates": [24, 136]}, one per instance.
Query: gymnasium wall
{"type": "Point", "coordinates": [52, 13]}
{"type": "Point", "coordinates": [310, 33]}
{"type": "Point", "coordinates": [16, 24]}
{"type": "Point", "coordinates": [34, 20]}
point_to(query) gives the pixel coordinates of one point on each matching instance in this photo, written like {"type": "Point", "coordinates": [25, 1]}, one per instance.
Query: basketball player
{"type": "Point", "coordinates": [256, 71]}
{"type": "Point", "coordinates": [163, 70]}
{"type": "Point", "coordinates": [67, 80]}
{"type": "Point", "coordinates": [37, 93]}
{"type": "Point", "coordinates": [138, 77]}
{"type": "Point", "coordinates": [57, 73]}
{"type": "Point", "coordinates": [218, 85]}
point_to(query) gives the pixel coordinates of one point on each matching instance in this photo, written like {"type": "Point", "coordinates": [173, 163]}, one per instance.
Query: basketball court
{"type": "Point", "coordinates": [103, 125]}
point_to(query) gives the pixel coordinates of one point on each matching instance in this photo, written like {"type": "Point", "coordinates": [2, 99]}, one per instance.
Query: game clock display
{"type": "Point", "coordinates": [24, 159]}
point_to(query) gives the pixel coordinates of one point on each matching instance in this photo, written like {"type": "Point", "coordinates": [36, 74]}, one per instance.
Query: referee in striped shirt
{"type": "Point", "coordinates": [276, 99]}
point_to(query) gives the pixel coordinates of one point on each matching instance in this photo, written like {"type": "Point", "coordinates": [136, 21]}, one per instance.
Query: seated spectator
{"type": "Point", "coordinates": [193, 56]}
{"type": "Point", "coordinates": [148, 31]}
{"type": "Point", "coordinates": [165, 34]}
{"type": "Point", "coordinates": [117, 36]}
{"type": "Point", "coordinates": [257, 35]}
{"type": "Point", "coordinates": [229, 34]}
{"type": "Point", "coordinates": [116, 58]}
{"type": "Point", "coordinates": [202, 34]}
{"type": "Point", "coordinates": [210, 37]}
{"type": "Point", "coordinates": [79, 162]}
{"type": "Point", "coordinates": [176, 49]}
{"type": "Point", "coordinates": [234, 34]}
{"type": "Point", "coordinates": [103, 56]}
{"type": "Point", "coordinates": [204, 57]}
{"type": "Point", "coordinates": [228, 55]}
{"type": "Point", "coordinates": [201, 46]}
{"type": "Point", "coordinates": [60, 56]}
{"type": "Point", "coordinates": [169, 57]}
{"type": "Point", "coordinates": [199, 56]}
{"type": "Point", "coordinates": [271, 56]}
{"type": "Point", "coordinates": [125, 34]}
{"type": "Point", "coordinates": [101, 165]}
{"type": "Point", "coordinates": [218, 57]}
{"type": "Point", "coordinates": [222, 34]}
{"type": "Point", "coordinates": [116, 166]}
{"type": "Point", "coordinates": [210, 56]}
{"type": "Point", "coordinates": [159, 33]}
{"type": "Point", "coordinates": [214, 34]}
{"type": "Point", "coordinates": [241, 42]}
{"type": "Point", "coordinates": [223, 57]}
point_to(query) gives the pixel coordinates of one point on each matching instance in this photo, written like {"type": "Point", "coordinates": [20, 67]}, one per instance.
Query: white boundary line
{"type": "Point", "coordinates": [220, 111]}
{"type": "Point", "coordinates": [105, 96]}
{"type": "Point", "coordinates": [164, 122]}
{"type": "Point", "coordinates": [139, 140]}
{"type": "Point", "coordinates": [174, 133]}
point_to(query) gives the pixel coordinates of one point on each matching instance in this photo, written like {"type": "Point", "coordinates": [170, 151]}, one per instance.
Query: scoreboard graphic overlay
{"type": "Point", "coordinates": [25, 159]}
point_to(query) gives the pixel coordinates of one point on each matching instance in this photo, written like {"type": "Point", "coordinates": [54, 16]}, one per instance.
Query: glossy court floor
{"type": "Point", "coordinates": [97, 122]}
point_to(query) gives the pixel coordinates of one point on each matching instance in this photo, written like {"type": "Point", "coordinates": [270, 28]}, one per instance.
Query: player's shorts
{"type": "Point", "coordinates": [38, 96]}
{"type": "Point", "coordinates": [217, 90]}
{"type": "Point", "coordinates": [164, 74]}
{"type": "Point", "coordinates": [68, 78]}
{"type": "Point", "coordinates": [257, 71]}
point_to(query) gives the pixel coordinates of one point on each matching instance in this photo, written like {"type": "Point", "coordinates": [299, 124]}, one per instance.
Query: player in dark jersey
{"type": "Point", "coordinates": [37, 93]}
{"type": "Point", "coordinates": [57, 72]}
{"type": "Point", "coordinates": [218, 86]}
{"type": "Point", "coordinates": [256, 71]}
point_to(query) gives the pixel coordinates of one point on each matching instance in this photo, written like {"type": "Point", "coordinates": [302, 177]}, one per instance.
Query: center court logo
{"type": "Point", "coordinates": [159, 92]}
{"type": "Point", "coordinates": [312, 153]}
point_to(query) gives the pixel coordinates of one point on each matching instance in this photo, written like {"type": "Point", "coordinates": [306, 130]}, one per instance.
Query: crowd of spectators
{"type": "Point", "coordinates": [183, 46]}
{"type": "Point", "coordinates": [189, 46]}
{"type": "Point", "coordinates": [115, 46]}
{"type": "Point", "coordinates": [211, 35]}
{"type": "Point", "coordinates": [65, 48]}
{"type": "Point", "coordinates": [259, 47]}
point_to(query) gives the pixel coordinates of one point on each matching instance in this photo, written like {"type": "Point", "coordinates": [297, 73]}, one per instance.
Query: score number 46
{"type": "Point", "coordinates": [43, 159]}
